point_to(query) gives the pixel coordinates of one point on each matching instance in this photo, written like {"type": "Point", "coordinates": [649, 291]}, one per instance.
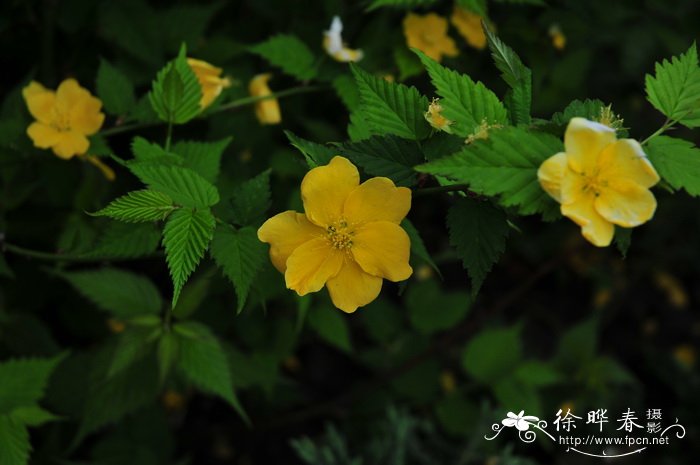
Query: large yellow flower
{"type": "Point", "coordinates": [468, 24]}
{"type": "Point", "coordinates": [429, 35]}
{"type": "Point", "coordinates": [349, 239]}
{"type": "Point", "coordinates": [600, 181]}
{"type": "Point", "coordinates": [209, 77]}
{"type": "Point", "coordinates": [267, 110]}
{"type": "Point", "coordinates": [64, 118]}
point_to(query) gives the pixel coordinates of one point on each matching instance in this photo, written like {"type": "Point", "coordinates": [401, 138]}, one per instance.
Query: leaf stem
{"type": "Point", "coordinates": [667, 124]}
{"type": "Point", "coordinates": [169, 136]}
{"type": "Point", "coordinates": [441, 189]}
{"type": "Point", "coordinates": [58, 257]}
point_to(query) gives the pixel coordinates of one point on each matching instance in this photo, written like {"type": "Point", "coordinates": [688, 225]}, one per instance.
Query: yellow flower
{"type": "Point", "coordinates": [267, 110]}
{"type": "Point", "coordinates": [334, 45]}
{"type": "Point", "coordinates": [64, 118]}
{"type": "Point", "coordinates": [209, 77]}
{"type": "Point", "coordinates": [468, 24]}
{"type": "Point", "coordinates": [429, 35]}
{"type": "Point", "coordinates": [349, 239]}
{"type": "Point", "coordinates": [558, 37]}
{"type": "Point", "coordinates": [435, 118]}
{"type": "Point", "coordinates": [600, 181]}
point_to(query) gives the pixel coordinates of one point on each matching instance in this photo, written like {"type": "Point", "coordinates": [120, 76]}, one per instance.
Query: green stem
{"type": "Point", "coordinates": [55, 257]}
{"type": "Point", "coordinates": [667, 124]}
{"type": "Point", "coordinates": [441, 189]}
{"type": "Point", "coordinates": [169, 136]}
{"type": "Point", "coordinates": [229, 106]}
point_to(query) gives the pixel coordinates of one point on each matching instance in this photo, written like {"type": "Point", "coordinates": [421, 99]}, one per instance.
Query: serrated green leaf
{"type": "Point", "coordinates": [24, 381]}
{"type": "Point", "coordinates": [506, 165]}
{"type": "Point", "coordinates": [417, 246]}
{"type": "Point", "coordinates": [124, 241]}
{"type": "Point", "coordinates": [515, 74]}
{"type": "Point", "coordinates": [677, 161]}
{"type": "Point", "coordinates": [139, 206]}
{"type": "Point", "coordinates": [478, 231]}
{"type": "Point", "coordinates": [176, 92]}
{"type": "Point", "coordinates": [315, 154]}
{"type": "Point", "coordinates": [329, 323]}
{"type": "Point", "coordinates": [389, 156]}
{"type": "Point", "coordinates": [467, 103]}
{"type": "Point", "coordinates": [14, 441]}
{"type": "Point", "coordinates": [391, 108]}
{"type": "Point", "coordinates": [674, 89]}
{"type": "Point", "coordinates": [289, 53]}
{"type": "Point", "coordinates": [132, 345]}
{"type": "Point", "coordinates": [144, 150]}
{"type": "Point", "coordinates": [240, 255]}
{"type": "Point", "coordinates": [204, 363]}
{"type": "Point", "coordinates": [203, 158]}
{"type": "Point", "coordinates": [114, 89]}
{"type": "Point", "coordinates": [32, 415]}
{"type": "Point", "coordinates": [492, 354]}
{"type": "Point", "coordinates": [589, 109]}
{"type": "Point", "coordinates": [358, 128]}
{"type": "Point", "coordinates": [183, 185]}
{"type": "Point", "coordinates": [346, 88]}
{"type": "Point", "coordinates": [122, 293]}
{"type": "Point", "coordinates": [186, 237]}
{"type": "Point", "coordinates": [250, 200]}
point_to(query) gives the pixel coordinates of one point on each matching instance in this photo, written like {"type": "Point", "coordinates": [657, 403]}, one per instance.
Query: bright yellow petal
{"type": "Point", "coordinates": [42, 135]}
{"type": "Point", "coordinates": [596, 229]}
{"type": "Point", "coordinates": [69, 94]}
{"type": "Point", "coordinates": [352, 287]}
{"type": "Point", "coordinates": [468, 24]}
{"type": "Point", "coordinates": [40, 102]}
{"type": "Point", "coordinates": [572, 186]}
{"type": "Point", "coordinates": [382, 249]}
{"type": "Point", "coordinates": [285, 232]}
{"type": "Point", "coordinates": [584, 141]}
{"type": "Point", "coordinates": [626, 204]}
{"type": "Point", "coordinates": [377, 199]}
{"type": "Point", "coordinates": [325, 189]}
{"type": "Point", "coordinates": [626, 160]}
{"type": "Point", "coordinates": [86, 116]}
{"type": "Point", "coordinates": [71, 143]}
{"type": "Point", "coordinates": [311, 265]}
{"type": "Point", "coordinates": [551, 173]}
{"type": "Point", "coordinates": [268, 111]}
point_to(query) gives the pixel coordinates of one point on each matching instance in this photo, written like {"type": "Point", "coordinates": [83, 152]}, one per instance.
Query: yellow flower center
{"type": "Point", "coordinates": [339, 234]}
{"type": "Point", "coordinates": [60, 121]}
{"type": "Point", "coordinates": [594, 183]}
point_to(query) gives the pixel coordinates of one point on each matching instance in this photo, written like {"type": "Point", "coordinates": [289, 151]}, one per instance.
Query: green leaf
{"type": "Point", "coordinates": [123, 241]}
{"type": "Point", "coordinates": [144, 150]}
{"type": "Point", "coordinates": [186, 237]}
{"type": "Point", "coordinates": [417, 246]}
{"type": "Point", "coordinates": [32, 415]}
{"type": "Point", "coordinates": [24, 381]}
{"type": "Point", "coordinates": [139, 206]}
{"type": "Point", "coordinates": [578, 344]}
{"type": "Point", "coordinates": [478, 231]}
{"type": "Point", "coordinates": [674, 90]}
{"type": "Point", "coordinates": [515, 74]}
{"type": "Point", "coordinates": [183, 185]}
{"type": "Point", "coordinates": [346, 88]}
{"type": "Point", "coordinates": [492, 354]}
{"type": "Point", "coordinates": [677, 161]}
{"type": "Point", "coordinates": [240, 255]}
{"type": "Point", "coordinates": [114, 89]}
{"type": "Point", "coordinates": [537, 374]}
{"type": "Point", "coordinates": [388, 156]}
{"type": "Point", "coordinates": [475, 6]}
{"type": "Point", "coordinates": [251, 199]}
{"type": "Point", "coordinates": [289, 53]}
{"type": "Point", "coordinates": [168, 354]}
{"type": "Point", "coordinates": [406, 4]}
{"type": "Point", "coordinates": [467, 103]}
{"type": "Point", "coordinates": [407, 62]}
{"type": "Point", "coordinates": [358, 128]}
{"type": "Point", "coordinates": [14, 441]}
{"type": "Point", "coordinates": [176, 92]}
{"type": "Point", "coordinates": [204, 363]}
{"type": "Point", "coordinates": [203, 158]}
{"type": "Point", "coordinates": [122, 293]}
{"type": "Point", "coordinates": [432, 309]}
{"type": "Point", "coordinates": [505, 164]}
{"type": "Point", "coordinates": [391, 108]}
{"type": "Point", "coordinates": [315, 154]}
{"type": "Point", "coordinates": [132, 345]}
{"type": "Point", "coordinates": [330, 324]}
{"type": "Point", "coordinates": [589, 109]}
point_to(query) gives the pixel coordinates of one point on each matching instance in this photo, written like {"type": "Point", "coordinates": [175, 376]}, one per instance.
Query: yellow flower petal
{"type": "Point", "coordinates": [551, 173]}
{"type": "Point", "coordinates": [468, 24]}
{"type": "Point", "coordinates": [311, 265]}
{"type": "Point", "coordinates": [285, 232]}
{"type": "Point", "coordinates": [352, 288]}
{"type": "Point", "coordinates": [382, 249]}
{"type": "Point", "coordinates": [69, 94]}
{"type": "Point", "coordinates": [42, 135]}
{"type": "Point", "coordinates": [584, 141]}
{"type": "Point", "coordinates": [626, 204]}
{"type": "Point", "coordinates": [210, 80]}
{"type": "Point", "coordinates": [40, 102]}
{"type": "Point", "coordinates": [378, 199]}
{"type": "Point", "coordinates": [626, 160]}
{"type": "Point", "coordinates": [429, 34]}
{"type": "Point", "coordinates": [267, 111]}
{"type": "Point", "coordinates": [85, 115]}
{"type": "Point", "coordinates": [594, 227]}
{"type": "Point", "coordinates": [325, 189]}
{"type": "Point", "coordinates": [71, 143]}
